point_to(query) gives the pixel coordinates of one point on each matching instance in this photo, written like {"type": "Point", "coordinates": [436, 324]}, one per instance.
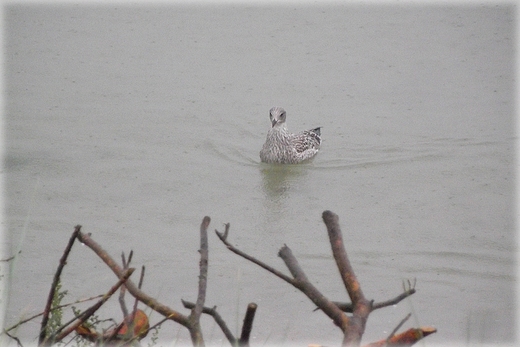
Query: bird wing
{"type": "Point", "coordinates": [308, 139]}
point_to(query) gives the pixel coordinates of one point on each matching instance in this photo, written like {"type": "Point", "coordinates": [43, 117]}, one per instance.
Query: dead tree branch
{"type": "Point", "coordinates": [223, 238]}
{"type": "Point", "coordinates": [43, 330]}
{"type": "Point", "coordinates": [299, 279]}
{"type": "Point", "coordinates": [191, 322]}
{"type": "Point", "coordinates": [126, 265]}
{"type": "Point", "coordinates": [392, 334]}
{"type": "Point", "coordinates": [130, 286]}
{"type": "Point", "coordinates": [194, 318]}
{"type": "Point", "coordinates": [218, 319]}
{"type": "Point", "coordinates": [353, 326]}
{"type": "Point", "coordinates": [301, 282]}
{"type": "Point", "coordinates": [247, 327]}
{"type": "Point", "coordinates": [404, 339]}
{"type": "Point", "coordinates": [54, 308]}
{"type": "Point", "coordinates": [361, 306]}
{"type": "Point", "coordinates": [407, 291]}
{"type": "Point", "coordinates": [63, 331]}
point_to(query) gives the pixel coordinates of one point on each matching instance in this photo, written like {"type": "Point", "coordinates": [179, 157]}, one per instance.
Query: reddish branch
{"type": "Point", "coordinates": [361, 306]}
{"type": "Point", "coordinates": [404, 339]}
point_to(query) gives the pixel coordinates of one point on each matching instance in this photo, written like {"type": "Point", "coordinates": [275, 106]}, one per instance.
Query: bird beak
{"type": "Point", "coordinates": [274, 121]}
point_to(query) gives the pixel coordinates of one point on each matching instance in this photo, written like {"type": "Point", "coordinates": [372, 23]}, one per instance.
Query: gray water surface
{"type": "Point", "coordinates": [137, 121]}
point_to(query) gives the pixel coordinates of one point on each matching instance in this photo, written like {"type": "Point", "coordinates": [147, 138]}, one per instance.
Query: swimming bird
{"type": "Point", "coordinates": [283, 147]}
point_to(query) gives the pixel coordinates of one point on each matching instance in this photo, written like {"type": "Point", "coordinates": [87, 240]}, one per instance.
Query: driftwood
{"type": "Point", "coordinates": [191, 322]}
{"type": "Point", "coordinates": [352, 326]}
{"type": "Point", "coordinates": [135, 324]}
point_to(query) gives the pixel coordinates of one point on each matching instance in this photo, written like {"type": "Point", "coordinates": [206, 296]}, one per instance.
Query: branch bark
{"type": "Point", "coordinates": [247, 327]}
{"type": "Point", "coordinates": [194, 319]}
{"type": "Point", "coordinates": [361, 306]}
{"type": "Point", "coordinates": [301, 282]}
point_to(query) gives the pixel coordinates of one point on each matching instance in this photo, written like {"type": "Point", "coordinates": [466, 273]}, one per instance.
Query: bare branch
{"type": "Point", "coordinates": [9, 259]}
{"type": "Point", "coordinates": [302, 283]}
{"type": "Point", "coordinates": [123, 288]}
{"type": "Point", "coordinates": [139, 285]}
{"type": "Point", "coordinates": [14, 338]}
{"type": "Point", "coordinates": [217, 317]}
{"type": "Point", "coordinates": [62, 332]}
{"type": "Point", "coordinates": [195, 330]}
{"type": "Point", "coordinates": [405, 339]}
{"type": "Point", "coordinates": [393, 301]}
{"type": "Point", "coordinates": [398, 327]}
{"type": "Point", "coordinates": [299, 279]}
{"type": "Point", "coordinates": [340, 255]}
{"type": "Point", "coordinates": [223, 238]}
{"type": "Point", "coordinates": [361, 305]}
{"type": "Point", "coordinates": [63, 261]}
{"type": "Point", "coordinates": [53, 309]}
{"type": "Point", "coordinates": [347, 306]}
{"type": "Point", "coordinates": [130, 286]}
{"type": "Point", "coordinates": [247, 327]}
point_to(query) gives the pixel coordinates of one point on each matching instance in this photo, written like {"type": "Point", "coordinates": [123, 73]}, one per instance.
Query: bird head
{"type": "Point", "coordinates": [277, 116]}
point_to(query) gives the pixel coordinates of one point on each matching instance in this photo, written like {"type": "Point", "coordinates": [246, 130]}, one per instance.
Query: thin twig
{"type": "Point", "coordinates": [55, 281]}
{"type": "Point", "coordinates": [89, 312]}
{"type": "Point", "coordinates": [8, 259]}
{"type": "Point", "coordinates": [53, 309]}
{"type": "Point", "coordinates": [139, 285]}
{"type": "Point", "coordinates": [398, 327]}
{"type": "Point", "coordinates": [14, 338]}
{"type": "Point", "coordinates": [223, 238]}
{"type": "Point", "coordinates": [347, 306]}
{"type": "Point", "coordinates": [393, 301]}
{"type": "Point", "coordinates": [122, 291]}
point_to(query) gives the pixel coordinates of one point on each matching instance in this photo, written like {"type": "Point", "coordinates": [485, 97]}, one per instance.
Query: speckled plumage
{"type": "Point", "coordinates": [283, 147]}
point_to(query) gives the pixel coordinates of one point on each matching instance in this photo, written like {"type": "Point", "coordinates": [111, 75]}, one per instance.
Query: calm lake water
{"type": "Point", "coordinates": [137, 121]}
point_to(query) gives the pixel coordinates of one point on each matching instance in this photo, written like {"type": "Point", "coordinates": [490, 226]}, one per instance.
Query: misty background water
{"type": "Point", "coordinates": [137, 121]}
